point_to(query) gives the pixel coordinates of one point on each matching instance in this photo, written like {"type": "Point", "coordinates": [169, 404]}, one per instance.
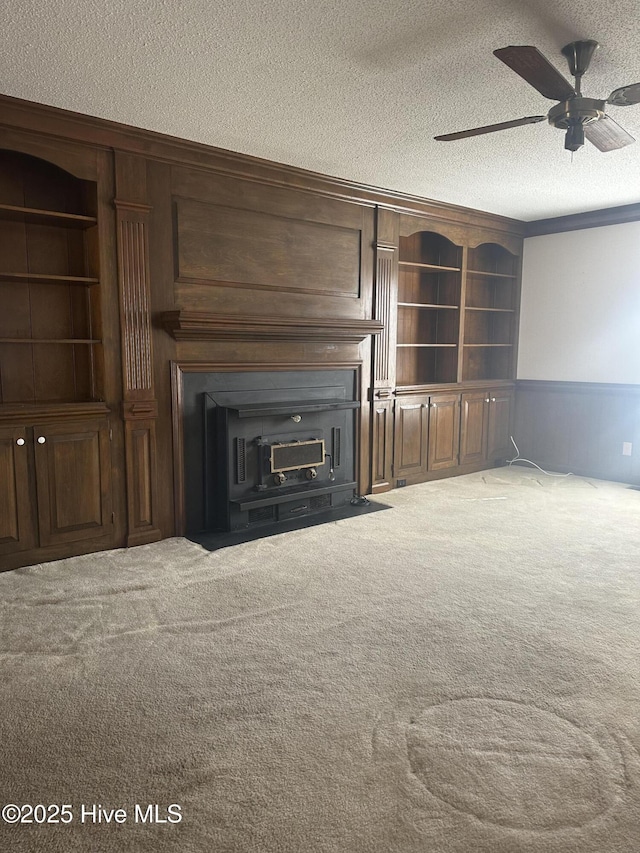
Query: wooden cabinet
{"type": "Point", "coordinates": [485, 426]}
{"type": "Point", "coordinates": [452, 319]}
{"type": "Point", "coordinates": [73, 477]}
{"type": "Point", "coordinates": [444, 431]}
{"type": "Point", "coordinates": [55, 435]}
{"type": "Point", "coordinates": [411, 432]}
{"type": "Point", "coordinates": [427, 433]}
{"type": "Point", "coordinates": [55, 484]}
{"type": "Point", "coordinates": [499, 446]}
{"type": "Point", "coordinates": [16, 516]}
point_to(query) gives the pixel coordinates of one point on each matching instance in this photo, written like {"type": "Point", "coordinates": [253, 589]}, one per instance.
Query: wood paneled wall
{"type": "Point", "coordinates": [216, 261]}
{"type": "Point", "coordinates": [580, 427]}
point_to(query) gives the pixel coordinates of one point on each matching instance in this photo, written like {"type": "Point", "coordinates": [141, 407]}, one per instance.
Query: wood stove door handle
{"type": "Point", "coordinates": [298, 509]}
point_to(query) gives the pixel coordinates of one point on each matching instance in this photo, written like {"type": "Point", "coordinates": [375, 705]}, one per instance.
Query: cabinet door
{"type": "Point", "coordinates": [444, 431]}
{"type": "Point", "coordinates": [16, 519]}
{"type": "Point", "coordinates": [382, 446]}
{"type": "Point", "coordinates": [411, 431]}
{"type": "Point", "coordinates": [473, 427]}
{"type": "Point", "coordinates": [499, 446]}
{"type": "Point", "coordinates": [73, 478]}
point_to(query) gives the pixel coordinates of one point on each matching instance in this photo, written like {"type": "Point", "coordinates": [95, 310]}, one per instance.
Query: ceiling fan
{"type": "Point", "coordinates": [577, 115]}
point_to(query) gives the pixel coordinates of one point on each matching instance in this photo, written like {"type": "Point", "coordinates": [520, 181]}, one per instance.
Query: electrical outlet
{"type": "Point", "coordinates": [401, 483]}
{"type": "Point", "coordinates": [626, 448]}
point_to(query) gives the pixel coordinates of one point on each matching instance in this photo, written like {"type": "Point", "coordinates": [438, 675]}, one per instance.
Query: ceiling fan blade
{"type": "Point", "coordinates": [625, 96]}
{"type": "Point", "coordinates": [489, 128]}
{"type": "Point", "coordinates": [607, 135]}
{"type": "Point", "coordinates": [536, 69]}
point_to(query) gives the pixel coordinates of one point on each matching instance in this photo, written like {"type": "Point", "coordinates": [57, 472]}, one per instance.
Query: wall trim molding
{"type": "Point", "coordinates": [580, 221]}
{"type": "Point", "coordinates": [577, 387]}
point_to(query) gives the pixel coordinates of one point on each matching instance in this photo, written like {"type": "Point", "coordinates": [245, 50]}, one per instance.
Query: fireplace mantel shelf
{"type": "Point", "coordinates": [198, 326]}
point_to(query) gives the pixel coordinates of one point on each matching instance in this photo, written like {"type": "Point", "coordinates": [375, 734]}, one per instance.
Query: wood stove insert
{"type": "Point", "coordinates": [262, 449]}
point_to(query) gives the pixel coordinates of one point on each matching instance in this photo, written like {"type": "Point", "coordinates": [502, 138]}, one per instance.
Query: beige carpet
{"type": "Point", "coordinates": [458, 674]}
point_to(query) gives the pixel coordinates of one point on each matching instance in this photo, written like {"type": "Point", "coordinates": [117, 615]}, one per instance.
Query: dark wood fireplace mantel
{"type": "Point", "coordinates": [199, 326]}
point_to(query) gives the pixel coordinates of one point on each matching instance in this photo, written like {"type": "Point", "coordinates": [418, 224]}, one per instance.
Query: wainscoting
{"type": "Point", "coordinates": [580, 427]}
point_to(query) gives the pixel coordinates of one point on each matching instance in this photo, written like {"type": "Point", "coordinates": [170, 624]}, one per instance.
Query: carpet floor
{"type": "Point", "coordinates": [457, 674]}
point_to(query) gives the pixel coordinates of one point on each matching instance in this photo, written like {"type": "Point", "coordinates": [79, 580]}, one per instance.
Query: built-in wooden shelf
{"type": "Point", "coordinates": [45, 217]}
{"type": "Point", "coordinates": [434, 267]}
{"type": "Point", "coordinates": [425, 305]}
{"type": "Point", "coordinates": [492, 274]}
{"type": "Point", "coordinates": [41, 278]}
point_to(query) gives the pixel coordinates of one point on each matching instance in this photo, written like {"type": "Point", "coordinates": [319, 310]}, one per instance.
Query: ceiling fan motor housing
{"type": "Point", "coordinates": [576, 111]}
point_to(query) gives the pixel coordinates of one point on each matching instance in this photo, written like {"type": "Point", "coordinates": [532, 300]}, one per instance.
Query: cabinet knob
{"type": "Point", "coordinates": [434, 405]}
{"type": "Point", "coordinates": [19, 441]}
{"type": "Point", "coordinates": [487, 400]}
{"type": "Point", "coordinates": [41, 439]}
{"type": "Point", "coordinates": [493, 399]}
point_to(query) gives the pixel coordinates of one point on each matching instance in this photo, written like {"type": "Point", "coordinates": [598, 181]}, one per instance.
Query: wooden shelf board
{"type": "Point", "coordinates": [495, 310]}
{"type": "Point", "coordinates": [426, 345]}
{"type": "Point", "coordinates": [425, 305]}
{"type": "Point", "coordinates": [50, 341]}
{"type": "Point", "coordinates": [434, 267]}
{"type": "Point", "coordinates": [39, 278]}
{"type": "Point", "coordinates": [488, 345]}
{"type": "Point", "coordinates": [492, 274]}
{"type": "Point", "coordinates": [45, 217]}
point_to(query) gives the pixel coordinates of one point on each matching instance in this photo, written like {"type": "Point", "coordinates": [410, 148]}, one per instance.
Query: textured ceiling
{"type": "Point", "coordinates": [355, 90]}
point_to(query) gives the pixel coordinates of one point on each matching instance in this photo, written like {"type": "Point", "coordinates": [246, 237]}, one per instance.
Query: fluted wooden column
{"type": "Point", "coordinates": [140, 408]}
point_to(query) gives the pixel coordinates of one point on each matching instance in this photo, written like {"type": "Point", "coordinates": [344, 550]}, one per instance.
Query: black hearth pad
{"type": "Point", "coordinates": [214, 541]}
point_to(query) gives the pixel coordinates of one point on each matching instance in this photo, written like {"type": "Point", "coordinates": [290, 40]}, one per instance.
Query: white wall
{"type": "Point", "coordinates": [580, 315]}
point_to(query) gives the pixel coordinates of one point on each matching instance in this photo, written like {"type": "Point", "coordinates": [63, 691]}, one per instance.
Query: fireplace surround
{"type": "Point", "coordinates": [265, 448]}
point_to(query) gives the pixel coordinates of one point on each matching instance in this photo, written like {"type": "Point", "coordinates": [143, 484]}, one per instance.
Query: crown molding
{"type": "Point", "coordinates": [579, 221]}
{"type": "Point", "coordinates": [44, 120]}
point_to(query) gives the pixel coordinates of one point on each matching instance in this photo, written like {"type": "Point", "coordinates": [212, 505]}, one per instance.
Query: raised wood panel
{"type": "Point", "coordinates": [141, 491]}
{"type": "Point", "coordinates": [284, 199]}
{"type": "Point", "coordinates": [140, 443]}
{"type": "Point", "coordinates": [382, 446]}
{"type": "Point", "coordinates": [444, 431]}
{"type": "Point", "coordinates": [266, 251]}
{"type": "Point", "coordinates": [473, 423]}
{"type": "Point", "coordinates": [16, 522]}
{"type": "Point", "coordinates": [411, 433]}
{"type": "Point", "coordinates": [73, 473]}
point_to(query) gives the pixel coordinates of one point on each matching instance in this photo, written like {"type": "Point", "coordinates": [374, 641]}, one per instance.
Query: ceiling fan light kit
{"type": "Point", "coordinates": [579, 117]}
